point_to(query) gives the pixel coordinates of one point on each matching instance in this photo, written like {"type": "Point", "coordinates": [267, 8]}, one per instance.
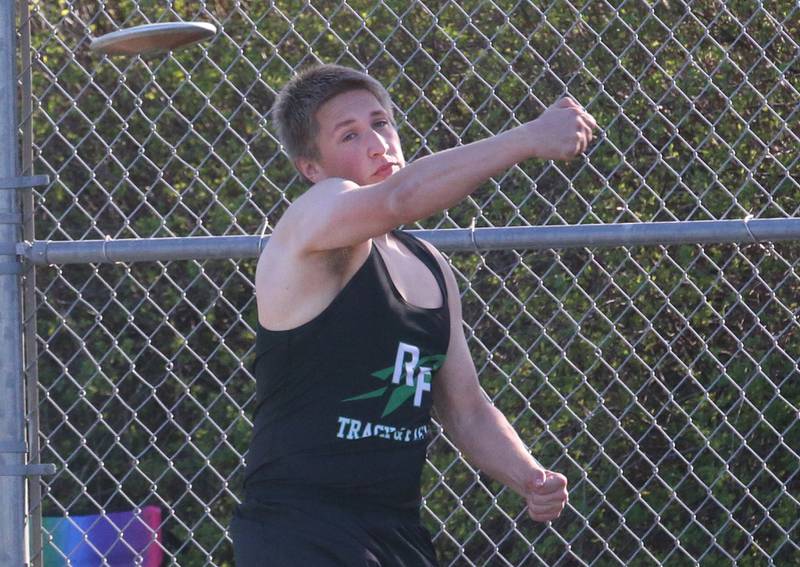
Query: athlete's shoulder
{"type": "Point", "coordinates": [291, 230]}
{"type": "Point", "coordinates": [318, 195]}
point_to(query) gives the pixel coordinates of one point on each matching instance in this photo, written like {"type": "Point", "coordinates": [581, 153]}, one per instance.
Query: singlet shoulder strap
{"type": "Point", "coordinates": [422, 252]}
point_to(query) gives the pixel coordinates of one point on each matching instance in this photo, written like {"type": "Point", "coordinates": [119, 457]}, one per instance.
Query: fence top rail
{"type": "Point", "coordinates": [744, 231]}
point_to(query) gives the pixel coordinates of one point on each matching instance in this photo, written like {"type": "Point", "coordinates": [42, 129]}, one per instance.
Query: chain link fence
{"type": "Point", "coordinates": [663, 381]}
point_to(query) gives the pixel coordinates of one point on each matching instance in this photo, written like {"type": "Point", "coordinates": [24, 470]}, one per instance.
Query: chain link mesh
{"type": "Point", "coordinates": [662, 381]}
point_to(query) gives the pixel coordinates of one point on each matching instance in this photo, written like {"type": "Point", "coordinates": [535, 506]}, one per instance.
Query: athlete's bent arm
{"type": "Point", "coordinates": [481, 431]}
{"type": "Point", "coordinates": [337, 213]}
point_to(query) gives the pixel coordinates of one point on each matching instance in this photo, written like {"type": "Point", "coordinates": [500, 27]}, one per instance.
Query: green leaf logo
{"type": "Point", "coordinates": [400, 393]}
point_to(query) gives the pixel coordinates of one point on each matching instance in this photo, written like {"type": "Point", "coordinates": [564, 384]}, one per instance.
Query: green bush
{"type": "Point", "coordinates": [661, 381]}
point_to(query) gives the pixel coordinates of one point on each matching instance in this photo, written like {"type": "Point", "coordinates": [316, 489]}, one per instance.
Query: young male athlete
{"type": "Point", "coordinates": [360, 335]}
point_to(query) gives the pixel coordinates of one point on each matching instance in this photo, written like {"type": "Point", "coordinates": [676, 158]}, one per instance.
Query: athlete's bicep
{"type": "Point", "coordinates": [337, 213]}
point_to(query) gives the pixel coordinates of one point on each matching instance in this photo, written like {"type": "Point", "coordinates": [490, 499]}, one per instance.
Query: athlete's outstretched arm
{"type": "Point", "coordinates": [481, 431]}
{"type": "Point", "coordinates": [337, 213]}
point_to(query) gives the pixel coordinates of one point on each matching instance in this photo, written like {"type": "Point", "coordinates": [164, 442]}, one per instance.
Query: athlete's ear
{"type": "Point", "coordinates": [309, 169]}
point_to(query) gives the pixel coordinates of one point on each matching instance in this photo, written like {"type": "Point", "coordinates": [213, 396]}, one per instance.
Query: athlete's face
{"type": "Point", "coordinates": [356, 141]}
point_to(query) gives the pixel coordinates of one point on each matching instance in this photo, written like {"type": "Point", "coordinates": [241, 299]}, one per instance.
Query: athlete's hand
{"type": "Point", "coordinates": [562, 132]}
{"type": "Point", "coordinates": [546, 495]}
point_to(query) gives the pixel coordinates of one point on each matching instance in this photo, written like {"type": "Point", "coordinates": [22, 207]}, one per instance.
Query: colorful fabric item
{"type": "Point", "coordinates": [119, 538]}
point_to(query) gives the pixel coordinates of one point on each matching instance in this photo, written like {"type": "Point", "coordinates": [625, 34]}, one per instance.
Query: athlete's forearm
{"type": "Point", "coordinates": [491, 444]}
{"type": "Point", "coordinates": [439, 181]}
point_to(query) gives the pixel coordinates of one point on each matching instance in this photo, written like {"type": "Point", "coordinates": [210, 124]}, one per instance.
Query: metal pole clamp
{"type": "Point", "coordinates": [23, 182]}
{"type": "Point", "coordinates": [23, 470]}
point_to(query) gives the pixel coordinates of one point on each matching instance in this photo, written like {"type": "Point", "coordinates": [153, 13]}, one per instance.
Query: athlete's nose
{"type": "Point", "coordinates": [377, 145]}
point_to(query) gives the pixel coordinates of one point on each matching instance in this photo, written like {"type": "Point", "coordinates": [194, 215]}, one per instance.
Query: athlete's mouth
{"type": "Point", "coordinates": [384, 169]}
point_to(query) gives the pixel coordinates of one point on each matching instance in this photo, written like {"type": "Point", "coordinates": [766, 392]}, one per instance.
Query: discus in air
{"type": "Point", "coordinates": [150, 39]}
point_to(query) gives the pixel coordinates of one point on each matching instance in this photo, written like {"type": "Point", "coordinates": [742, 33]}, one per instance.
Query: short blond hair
{"type": "Point", "coordinates": [296, 106]}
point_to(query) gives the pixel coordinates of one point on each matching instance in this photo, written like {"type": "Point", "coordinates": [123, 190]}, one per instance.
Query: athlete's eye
{"type": "Point", "coordinates": [381, 124]}
{"type": "Point", "coordinates": [349, 136]}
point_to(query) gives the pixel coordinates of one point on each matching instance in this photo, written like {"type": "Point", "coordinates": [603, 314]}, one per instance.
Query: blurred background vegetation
{"type": "Point", "coordinates": [663, 381]}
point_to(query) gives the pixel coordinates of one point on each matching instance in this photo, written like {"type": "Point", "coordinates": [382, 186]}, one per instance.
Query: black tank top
{"type": "Point", "coordinates": [343, 401]}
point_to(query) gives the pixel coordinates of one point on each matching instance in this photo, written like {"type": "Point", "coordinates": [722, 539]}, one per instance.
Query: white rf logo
{"type": "Point", "coordinates": [405, 363]}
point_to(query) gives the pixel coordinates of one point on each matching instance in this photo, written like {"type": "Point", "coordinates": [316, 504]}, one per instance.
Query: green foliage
{"type": "Point", "coordinates": [661, 381]}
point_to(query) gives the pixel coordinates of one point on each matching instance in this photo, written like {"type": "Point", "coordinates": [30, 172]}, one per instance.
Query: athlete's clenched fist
{"type": "Point", "coordinates": [563, 131]}
{"type": "Point", "coordinates": [546, 496]}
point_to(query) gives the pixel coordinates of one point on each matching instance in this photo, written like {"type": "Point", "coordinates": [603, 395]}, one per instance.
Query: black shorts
{"type": "Point", "coordinates": [322, 535]}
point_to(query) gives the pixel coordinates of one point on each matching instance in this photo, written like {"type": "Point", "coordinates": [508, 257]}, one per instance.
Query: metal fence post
{"type": "Point", "coordinates": [12, 445]}
{"type": "Point", "coordinates": [30, 358]}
